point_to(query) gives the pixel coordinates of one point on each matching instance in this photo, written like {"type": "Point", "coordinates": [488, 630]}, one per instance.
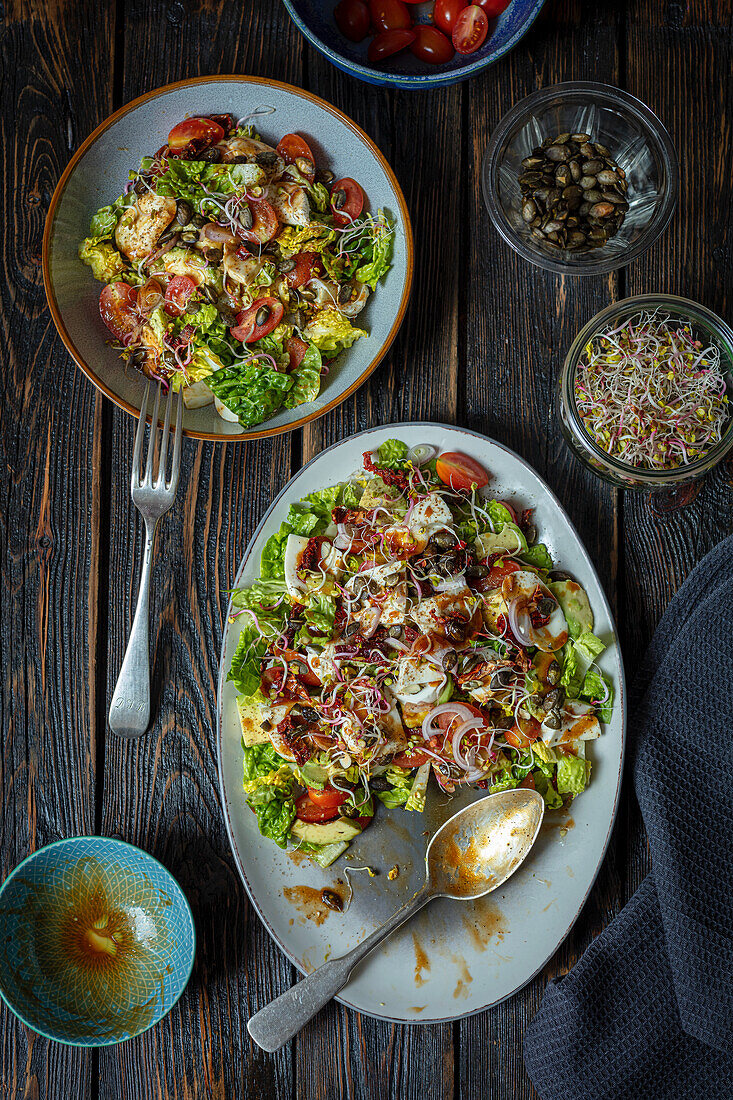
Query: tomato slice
{"type": "Point", "coordinates": [272, 678]}
{"type": "Point", "coordinates": [498, 572]}
{"type": "Point", "coordinates": [149, 295]}
{"type": "Point", "coordinates": [347, 197]}
{"type": "Point", "coordinates": [352, 19]}
{"type": "Point", "coordinates": [446, 12]}
{"type": "Point", "coordinates": [387, 43]}
{"type": "Point", "coordinates": [307, 810]}
{"type": "Point", "coordinates": [296, 349]}
{"type": "Point", "coordinates": [470, 29]}
{"type": "Point", "coordinates": [265, 222]}
{"type": "Point", "coordinates": [522, 738]}
{"type": "Point", "coordinates": [412, 758]}
{"type": "Point", "coordinates": [328, 799]}
{"type": "Point", "coordinates": [447, 720]}
{"type": "Point", "coordinates": [389, 15]}
{"type": "Point", "coordinates": [307, 265]}
{"type": "Point", "coordinates": [192, 136]}
{"type": "Point", "coordinates": [248, 328]}
{"type": "Point", "coordinates": [460, 472]}
{"type": "Point", "coordinates": [431, 45]}
{"type": "Point", "coordinates": [493, 7]}
{"type": "Point", "coordinates": [116, 306]}
{"type": "Point", "coordinates": [528, 782]}
{"type": "Point", "coordinates": [292, 148]}
{"type": "Point", "coordinates": [306, 675]}
{"type": "Point", "coordinates": [177, 294]}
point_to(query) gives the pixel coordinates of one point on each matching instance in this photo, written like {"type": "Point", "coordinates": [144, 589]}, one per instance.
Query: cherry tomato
{"type": "Point", "coordinates": [265, 222]}
{"type": "Point", "coordinates": [149, 295]}
{"type": "Point", "coordinates": [352, 19]}
{"type": "Point", "coordinates": [528, 782]}
{"type": "Point", "coordinates": [328, 799]}
{"type": "Point", "coordinates": [272, 678]}
{"type": "Point", "coordinates": [116, 306]}
{"type": "Point", "coordinates": [248, 328]}
{"type": "Point", "coordinates": [493, 7]}
{"type": "Point", "coordinates": [351, 205]}
{"type": "Point", "coordinates": [498, 572]}
{"type": "Point", "coordinates": [470, 29]}
{"type": "Point", "coordinates": [522, 737]}
{"type": "Point", "coordinates": [387, 43]}
{"type": "Point", "coordinates": [293, 147]}
{"type": "Point", "coordinates": [431, 45]}
{"type": "Point", "coordinates": [412, 758]}
{"type": "Point", "coordinates": [177, 293]}
{"type": "Point", "coordinates": [193, 135]}
{"type": "Point", "coordinates": [296, 349]}
{"type": "Point", "coordinates": [448, 720]}
{"type": "Point", "coordinates": [446, 12]}
{"type": "Point", "coordinates": [460, 472]}
{"type": "Point", "coordinates": [307, 265]}
{"type": "Point", "coordinates": [389, 15]}
{"type": "Point", "coordinates": [307, 810]}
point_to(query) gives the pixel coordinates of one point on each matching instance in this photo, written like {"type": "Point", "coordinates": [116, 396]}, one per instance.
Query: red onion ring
{"type": "Point", "coordinates": [475, 723]}
{"type": "Point", "coordinates": [520, 630]}
{"type": "Point", "coordinates": [444, 708]}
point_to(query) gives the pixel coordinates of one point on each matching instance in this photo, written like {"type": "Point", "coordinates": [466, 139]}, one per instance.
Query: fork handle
{"type": "Point", "coordinates": [129, 712]}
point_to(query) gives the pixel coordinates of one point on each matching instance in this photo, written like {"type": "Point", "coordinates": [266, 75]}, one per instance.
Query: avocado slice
{"type": "Point", "coordinates": [510, 538]}
{"type": "Point", "coordinates": [249, 719]}
{"type": "Point", "coordinates": [575, 605]}
{"type": "Point", "coordinates": [330, 832]}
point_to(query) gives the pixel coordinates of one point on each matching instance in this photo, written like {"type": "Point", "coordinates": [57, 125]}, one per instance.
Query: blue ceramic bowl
{"type": "Point", "coordinates": [314, 18]}
{"type": "Point", "coordinates": [97, 941]}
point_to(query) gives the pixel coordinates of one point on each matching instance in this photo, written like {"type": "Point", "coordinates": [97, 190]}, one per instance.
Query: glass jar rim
{"type": "Point", "coordinates": [636, 304]}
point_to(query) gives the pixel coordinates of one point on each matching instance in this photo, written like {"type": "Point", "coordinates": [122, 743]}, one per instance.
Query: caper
{"type": "Point", "coordinates": [443, 539]}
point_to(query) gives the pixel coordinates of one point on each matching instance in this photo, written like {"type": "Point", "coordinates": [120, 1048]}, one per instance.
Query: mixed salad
{"type": "Point", "coordinates": [405, 624]}
{"type": "Point", "coordinates": [235, 270]}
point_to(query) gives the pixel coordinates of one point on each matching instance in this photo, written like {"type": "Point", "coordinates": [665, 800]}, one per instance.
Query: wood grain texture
{"type": "Point", "coordinates": [49, 494]}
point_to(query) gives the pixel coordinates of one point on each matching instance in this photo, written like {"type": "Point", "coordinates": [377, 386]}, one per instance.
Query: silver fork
{"type": "Point", "coordinates": [129, 713]}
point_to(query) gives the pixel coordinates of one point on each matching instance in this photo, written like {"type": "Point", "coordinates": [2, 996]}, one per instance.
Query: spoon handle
{"type": "Point", "coordinates": [279, 1021]}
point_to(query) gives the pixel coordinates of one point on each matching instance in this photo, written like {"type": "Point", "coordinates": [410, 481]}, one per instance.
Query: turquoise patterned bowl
{"type": "Point", "coordinates": [97, 941]}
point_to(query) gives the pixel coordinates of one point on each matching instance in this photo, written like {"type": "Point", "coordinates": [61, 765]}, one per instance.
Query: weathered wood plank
{"type": "Point", "coordinates": [49, 492]}
{"type": "Point", "coordinates": [519, 323]}
{"type": "Point", "coordinates": [342, 1053]}
{"type": "Point", "coordinates": [162, 792]}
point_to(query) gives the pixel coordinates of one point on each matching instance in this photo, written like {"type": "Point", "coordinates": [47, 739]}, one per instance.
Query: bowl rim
{"type": "Point", "coordinates": [651, 479]}
{"type": "Point", "coordinates": [115, 842]}
{"type": "Point", "coordinates": [418, 81]}
{"type": "Point", "coordinates": [234, 79]}
{"type": "Point", "coordinates": [657, 135]}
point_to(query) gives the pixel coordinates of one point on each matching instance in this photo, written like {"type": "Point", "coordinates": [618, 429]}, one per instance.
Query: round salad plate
{"type": "Point", "coordinates": [97, 174]}
{"type": "Point", "coordinates": [455, 958]}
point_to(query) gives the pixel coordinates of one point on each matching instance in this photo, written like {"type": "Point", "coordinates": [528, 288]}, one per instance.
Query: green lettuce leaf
{"type": "Point", "coordinates": [272, 562]}
{"type": "Point", "coordinates": [103, 258]}
{"type": "Point", "coordinates": [572, 774]}
{"type": "Point", "coordinates": [380, 259]}
{"type": "Point", "coordinates": [498, 513]}
{"type": "Point", "coordinates": [261, 760]}
{"type": "Point", "coordinates": [275, 810]}
{"type": "Point", "coordinates": [104, 222]}
{"type": "Point", "coordinates": [391, 454]}
{"type": "Point", "coordinates": [318, 616]}
{"type": "Point", "coordinates": [307, 379]}
{"type": "Point", "coordinates": [351, 495]}
{"type": "Point", "coordinates": [202, 319]}
{"type": "Point", "coordinates": [251, 390]}
{"type": "Point", "coordinates": [331, 332]}
{"type": "Point", "coordinates": [595, 686]}
{"type": "Point", "coordinates": [538, 555]}
{"type": "Point", "coordinates": [579, 656]}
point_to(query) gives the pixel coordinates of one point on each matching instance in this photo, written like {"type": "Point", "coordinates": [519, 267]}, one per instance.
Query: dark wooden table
{"type": "Point", "coordinates": [481, 346]}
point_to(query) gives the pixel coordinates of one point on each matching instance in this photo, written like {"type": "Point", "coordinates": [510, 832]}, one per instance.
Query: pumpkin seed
{"type": "Point", "coordinates": [262, 314]}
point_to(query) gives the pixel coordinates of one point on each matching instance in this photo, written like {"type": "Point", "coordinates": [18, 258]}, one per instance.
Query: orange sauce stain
{"type": "Point", "coordinates": [308, 902]}
{"type": "Point", "coordinates": [422, 962]}
{"type": "Point", "coordinates": [485, 923]}
{"type": "Point", "coordinates": [297, 856]}
{"type": "Point", "coordinates": [553, 822]}
{"type": "Point", "coordinates": [418, 1008]}
{"type": "Point", "coordinates": [465, 978]}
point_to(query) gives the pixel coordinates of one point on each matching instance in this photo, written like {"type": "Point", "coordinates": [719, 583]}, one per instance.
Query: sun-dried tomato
{"type": "Point", "coordinates": [389, 477]}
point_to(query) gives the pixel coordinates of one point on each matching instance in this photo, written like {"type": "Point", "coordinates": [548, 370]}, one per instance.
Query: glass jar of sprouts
{"type": "Point", "coordinates": [646, 392]}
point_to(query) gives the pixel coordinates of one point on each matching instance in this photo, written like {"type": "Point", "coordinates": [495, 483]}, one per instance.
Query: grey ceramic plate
{"type": "Point", "coordinates": [454, 958]}
{"type": "Point", "coordinates": [99, 170]}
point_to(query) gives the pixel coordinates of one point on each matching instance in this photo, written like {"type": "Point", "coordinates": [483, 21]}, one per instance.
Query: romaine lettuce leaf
{"type": "Point", "coordinates": [579, 656]}
{"type": "Point", "coordinates": [498, 513]}
{"type": "Point", "coordinates": [275, 810]}
{"type": "Point", "coordinates": [307, 379]}
{"type": "Point", "coordinates": [572, 774]}
{"type": "Point", "coordinates": [251, 389]}
{"type": "Point", "coordinates": [538, 556]}
{"type": "Point", "coordinates": [318, 616]}
{"type": "Point", "coordinates": [103, 258]}
{"type": "Point", "coordinates": [379, 261]}
{"type": "Point", "coordinates": [331, 332]}
{"type": "Point", "coordinates": [311, 238]}
{"type": "Point", "coordinates": [597, 686]}
{"type": "Point", "coordinates": [391, 454]}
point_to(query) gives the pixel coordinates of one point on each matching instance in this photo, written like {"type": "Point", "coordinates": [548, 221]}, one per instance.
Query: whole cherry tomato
{"type": "Point", "coordinates": [493, 7]}
{"type": "Point", "coordinates": [388, 43]}
{"type": "Point", "coordinates": [446, 12]}
{"type": "Point", "coordinates": [470, 29]}
{"type": "Point", "coordinates": [389, 15]}
{"type": "Point", "coordinates": [352, 19]}
{"type": "Point", "coordinates": [431, 45]}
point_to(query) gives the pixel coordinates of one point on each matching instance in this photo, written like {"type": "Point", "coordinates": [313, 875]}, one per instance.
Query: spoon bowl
{"type": "Point", "coordinates": [471, 854]}
{"type": "Point", "coordinates": [478, 848]}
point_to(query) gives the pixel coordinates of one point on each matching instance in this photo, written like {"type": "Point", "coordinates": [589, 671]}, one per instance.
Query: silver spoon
{"type": "Point", "coordinates": [471, 854]}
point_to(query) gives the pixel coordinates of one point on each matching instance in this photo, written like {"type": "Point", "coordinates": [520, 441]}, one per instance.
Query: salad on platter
{"type": "Point", "coordinates": [236, 270]}
{"type": "Point", "coordinates": [406, 624]}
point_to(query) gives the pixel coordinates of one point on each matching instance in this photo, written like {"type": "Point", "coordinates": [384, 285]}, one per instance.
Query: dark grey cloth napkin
{"type": "Point", "coordinates": [647, 1012]}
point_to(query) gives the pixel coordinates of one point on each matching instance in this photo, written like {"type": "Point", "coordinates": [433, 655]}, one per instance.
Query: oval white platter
{"type": "Point", "coordinates": [455, 958]}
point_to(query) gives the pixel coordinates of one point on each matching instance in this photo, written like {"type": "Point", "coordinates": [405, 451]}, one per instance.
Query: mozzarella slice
{"type": "Point", "coordinates": [418, 682]}
{"type": "Point", "coordinates": [428, 516]}
{"type": "Point", "coordinates": [578, 724]}
{"type": "Point", "coordinates": [522, 585]}
{"type": "Point", "coordinates": [294, 547]}
{"type": "Point", "coordinates": [429, 615]}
